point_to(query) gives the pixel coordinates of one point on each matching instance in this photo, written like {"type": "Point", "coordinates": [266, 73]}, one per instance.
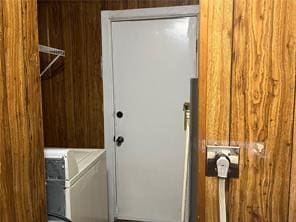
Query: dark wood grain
{"type": "Point", "coordinates": [72, 90]}
{"type": "Point", "coordinates": [22, 183]}
{"type": "Point", "coordinates": [263, 91]}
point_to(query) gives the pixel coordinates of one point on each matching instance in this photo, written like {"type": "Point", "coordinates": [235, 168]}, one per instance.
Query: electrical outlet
{"type": "Point", "coordinates": [230, 152]}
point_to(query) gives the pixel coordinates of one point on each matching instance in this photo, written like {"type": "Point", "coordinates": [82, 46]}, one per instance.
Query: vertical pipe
{"type": "Point", "coordinates": [184, 213]}
{"type": "Point", "coordinates": [193, 150]}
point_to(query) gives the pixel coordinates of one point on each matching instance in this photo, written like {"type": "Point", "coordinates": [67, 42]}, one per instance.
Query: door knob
{"type": "Point", "coordinates": [119, 140]}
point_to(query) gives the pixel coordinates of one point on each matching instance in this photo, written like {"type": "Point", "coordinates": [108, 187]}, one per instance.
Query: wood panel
{"type": "Point", "coordinates": [72, 89]}
{"type": "Point", "coordinates": [22, 183]}
{"type": "Point", "coordinates": [263, 90]}
{"type": "Point", "coordinates": [292, 199]}
{"type": "Point", "coordinates": [202, 99]}
{"type": "Point", "coordinates": [291, 56]}
{"type": "Point", "coordinates": [214, 86]}
{"type": "Point", "coordinates": [133, 4]}
{"type": "Point", "coordinates": [292, 52]}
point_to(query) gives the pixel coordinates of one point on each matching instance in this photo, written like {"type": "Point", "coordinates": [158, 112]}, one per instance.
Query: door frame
{"type": "Point", "coordinates": [107, 17]}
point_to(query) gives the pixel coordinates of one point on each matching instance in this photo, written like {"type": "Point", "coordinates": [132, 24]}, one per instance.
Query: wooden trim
{"type": "Point", "coordinates": [214, 90]}
{"type": "Point", "coordinates": [202, 88]}
{"type": "Point", "coordinates": [153, 13]}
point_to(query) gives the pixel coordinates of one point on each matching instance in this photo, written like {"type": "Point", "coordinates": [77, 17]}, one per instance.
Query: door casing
{"type": "Point", "coordinates": [107, 17]}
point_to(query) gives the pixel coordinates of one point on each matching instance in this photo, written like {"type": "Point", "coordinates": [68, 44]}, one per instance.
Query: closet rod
{"type": "Point", "coordinates": [50, 50]}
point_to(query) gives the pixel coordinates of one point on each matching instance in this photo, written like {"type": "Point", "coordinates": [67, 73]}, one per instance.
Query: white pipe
{"type": "Point", "coordinates": [185, 209]}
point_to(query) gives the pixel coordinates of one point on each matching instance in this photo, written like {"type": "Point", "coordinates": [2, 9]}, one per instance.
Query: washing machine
{"type": "Point", "coordinates": [76, 183]}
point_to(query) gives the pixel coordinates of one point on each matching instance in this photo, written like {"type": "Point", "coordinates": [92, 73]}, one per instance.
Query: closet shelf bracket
{"type": "Point", "coordinates": [52, 51]}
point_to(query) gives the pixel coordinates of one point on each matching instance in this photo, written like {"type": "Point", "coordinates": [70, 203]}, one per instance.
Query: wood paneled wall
{"type": "Point", "coordinates": [258, 106]}
{"type": "Point", "coordinates": [262, 108]}
{"type": "Point", "coordinates": [72, 89]}
{"type": "Point", "coordinates": [22, 183]}
{"type": "Point", "coordinates": [214, 105]}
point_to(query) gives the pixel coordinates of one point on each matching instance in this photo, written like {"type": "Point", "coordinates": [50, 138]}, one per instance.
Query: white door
{"type": "Point", "coordinates": [153, 61]}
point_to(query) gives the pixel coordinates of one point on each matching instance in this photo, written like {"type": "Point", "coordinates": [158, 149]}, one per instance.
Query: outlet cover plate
{"type": "Point", "coordinates": [231, 152]}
